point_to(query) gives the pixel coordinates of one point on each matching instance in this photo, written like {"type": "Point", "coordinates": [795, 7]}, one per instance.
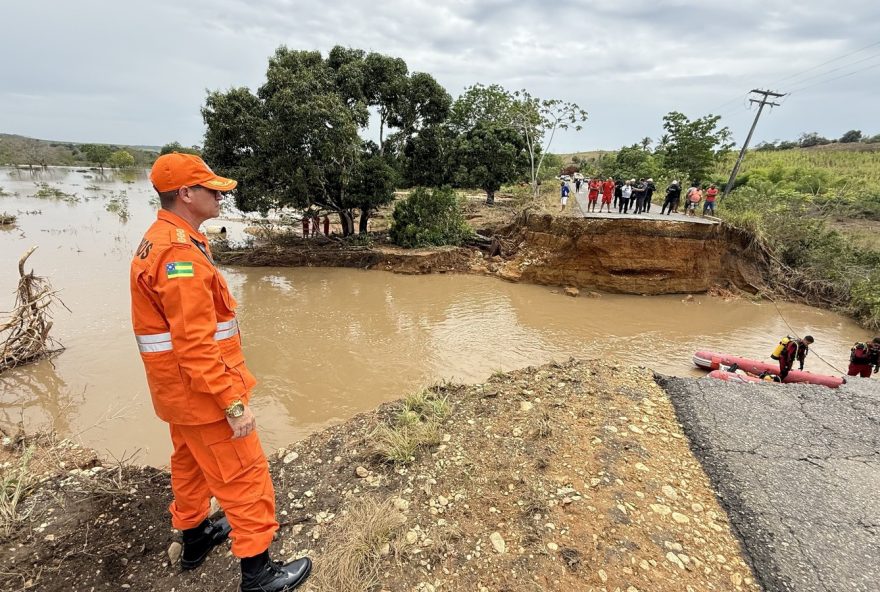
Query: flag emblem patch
{"type": "Point", "coordinates": [179, 269]}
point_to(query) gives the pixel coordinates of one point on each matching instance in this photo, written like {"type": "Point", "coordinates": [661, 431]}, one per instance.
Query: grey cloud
{"type": "Point", "coordinates": [136, 72]}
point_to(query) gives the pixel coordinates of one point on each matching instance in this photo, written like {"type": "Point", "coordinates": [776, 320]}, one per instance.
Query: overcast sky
{"type": "Point", "coordinates": [136, 72]}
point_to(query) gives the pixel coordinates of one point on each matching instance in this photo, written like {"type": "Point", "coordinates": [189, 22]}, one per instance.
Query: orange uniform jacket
{"type": "Point", "coordinates": [185, 326]}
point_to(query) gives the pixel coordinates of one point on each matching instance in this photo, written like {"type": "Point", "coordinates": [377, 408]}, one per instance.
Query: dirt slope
{"type": "Point", "coordinates": [630, 256]}
{"type": "Point", "coordinates": [564, 477]}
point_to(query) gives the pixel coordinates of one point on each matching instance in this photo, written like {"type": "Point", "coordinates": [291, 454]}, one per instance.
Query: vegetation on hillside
{"type": "Point", "coordinates": [803, 204]}
{"type": "Point", "coordinates": [30, 152]}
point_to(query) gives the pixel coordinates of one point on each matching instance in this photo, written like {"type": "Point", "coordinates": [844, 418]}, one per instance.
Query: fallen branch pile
{"type": "Point", "coordinates": [24, 337]}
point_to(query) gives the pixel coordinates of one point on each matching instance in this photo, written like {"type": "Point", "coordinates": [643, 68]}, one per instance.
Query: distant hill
{"type": "Point", "coordinates": [586, 156]}
{"type": "Point", "coordinates": [21, 150]}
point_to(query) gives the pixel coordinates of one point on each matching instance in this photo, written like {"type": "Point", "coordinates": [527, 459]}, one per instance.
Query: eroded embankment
{"type": "Point", "coordinates": [572, 476]}
{"type": "Point", "coordinates": [631, 256]}
{"type": "Point", "coordinates": [622, 255]}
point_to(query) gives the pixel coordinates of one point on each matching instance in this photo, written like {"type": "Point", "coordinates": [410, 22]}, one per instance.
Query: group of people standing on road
{"type": "Point", "coordinates": [619, 194]}
{"type": "Point", "coordinates": [707, 194]}
{"type": "Point", "coordinates": [635, 196]}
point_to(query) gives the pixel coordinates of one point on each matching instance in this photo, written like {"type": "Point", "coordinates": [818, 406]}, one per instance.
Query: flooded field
{"type": "Point", "coordinates": [325, 343]}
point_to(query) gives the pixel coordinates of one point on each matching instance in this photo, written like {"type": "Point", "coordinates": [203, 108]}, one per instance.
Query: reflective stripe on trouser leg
{"type": "Point", "coordinates": [237, 474]}
{"type": "Point", "coordinates": [191, 503]}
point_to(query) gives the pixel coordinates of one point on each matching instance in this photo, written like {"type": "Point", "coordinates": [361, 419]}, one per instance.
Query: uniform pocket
{"type": "Point", "coordinates": [233, 457]}
{"type": "Point", "coordinates": [233, 358]}
{"type": "Point", "coordinates": [164, 379]}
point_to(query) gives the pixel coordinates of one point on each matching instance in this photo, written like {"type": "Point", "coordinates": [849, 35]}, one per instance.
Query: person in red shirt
{"type": "Point", "coordinates": [595, 186]}
{"type": "Point", "coordinates": [711, 196]}
{"type": "Point", "coordinates": [607, 194]}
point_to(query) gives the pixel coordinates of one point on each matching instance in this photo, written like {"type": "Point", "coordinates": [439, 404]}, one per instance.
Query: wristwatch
{"type": "Point", "coordinates": [235, 409]}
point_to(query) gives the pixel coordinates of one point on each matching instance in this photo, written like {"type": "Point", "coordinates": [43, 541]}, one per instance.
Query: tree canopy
{"type": "Point", "coordinates": [693, 147]}
{"type": "Point", "coordinates": [121, 159]}
{"type": "Point", "coordinates": [177, 147]}
{"type": "Point", "coordinates": [295, 142]}
{"type": "Point", "coordinates": [489, 155]}
{"type": "Point", "coordinates": [98, 154]}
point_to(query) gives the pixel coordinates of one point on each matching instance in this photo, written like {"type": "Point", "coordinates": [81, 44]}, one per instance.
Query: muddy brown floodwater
{"type": "Point", "coordinates": [326, 344]}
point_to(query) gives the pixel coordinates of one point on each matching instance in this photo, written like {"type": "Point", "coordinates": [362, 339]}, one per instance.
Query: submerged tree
{"type": "Point", "coordinates": [121, 159]}
{"type": "Point", "coordinates": [97, 154]}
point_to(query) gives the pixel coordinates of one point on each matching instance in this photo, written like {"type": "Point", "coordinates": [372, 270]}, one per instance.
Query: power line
{"type": "Point", "coordinates": [837, 69]}
{"type": "Point", "coordinates": [740, 97]}
{"type": "Point", "coordinates": [810, 69]}
{"type": "Point", "coordinates": [797, 74]}
{"type": "Point", "coordinates": [762, 102]}
{"type": "Point", "coordinates": [836, 78]}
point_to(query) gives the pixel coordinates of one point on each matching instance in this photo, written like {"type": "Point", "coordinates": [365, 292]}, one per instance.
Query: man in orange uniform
{"type": "Point", "coordinates": [188, 336]}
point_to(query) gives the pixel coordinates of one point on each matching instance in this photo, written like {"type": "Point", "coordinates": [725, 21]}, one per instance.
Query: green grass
{"type": "Point", "coordinates": [415, 425]}
{"type": "Point", "coordinates": [810, 208]}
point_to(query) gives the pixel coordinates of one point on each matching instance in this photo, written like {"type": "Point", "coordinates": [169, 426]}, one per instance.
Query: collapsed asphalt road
{"type": "Point", "coordinates": [798, 469]}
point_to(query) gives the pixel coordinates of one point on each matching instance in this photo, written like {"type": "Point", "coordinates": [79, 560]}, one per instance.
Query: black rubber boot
{"type": "Point", "coordinates": [198, 541]}
{"type": "Point", "coordinates": [261, 574]}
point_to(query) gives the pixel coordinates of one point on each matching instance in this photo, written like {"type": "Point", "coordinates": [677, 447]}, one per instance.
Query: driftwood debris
{"type": "Point", "coordinates": [24, 336]}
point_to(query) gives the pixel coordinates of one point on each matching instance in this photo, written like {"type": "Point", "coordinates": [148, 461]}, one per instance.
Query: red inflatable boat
{"type": "Point", "coordinates": [736, 377]}
{"type": "Point", "coordinates": [712, 361]}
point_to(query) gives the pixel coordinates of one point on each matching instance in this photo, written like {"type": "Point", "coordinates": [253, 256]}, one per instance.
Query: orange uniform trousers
{"type": "Point", "coordinates": [205, 462]}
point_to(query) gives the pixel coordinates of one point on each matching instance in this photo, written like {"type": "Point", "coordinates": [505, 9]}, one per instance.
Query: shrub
{"type": "Point", "coordinates": [429, 218]}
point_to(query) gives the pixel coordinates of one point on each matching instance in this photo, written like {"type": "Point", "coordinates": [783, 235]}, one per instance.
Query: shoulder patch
{"type": "Point", "coordinates": [179, 269]}
{"type": "Point", "coordinates": [178, 235]}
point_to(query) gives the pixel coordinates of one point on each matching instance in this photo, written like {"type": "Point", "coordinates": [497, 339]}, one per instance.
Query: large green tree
{"type": "Point", "coordinates": [693, 147]}
{"type": "Point", "coordinates": [536, 120]}
{"type": "Point", "coordinates": [296, 143]}
{"type": "Point", "coordinates": [488, 156]}
{"type": "Point", "coordinates": [427, 157]}
{"type": "Point", "coordinates": [372, 185]}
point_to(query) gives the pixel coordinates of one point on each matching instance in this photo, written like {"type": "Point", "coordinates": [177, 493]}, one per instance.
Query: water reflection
{"type": "Point", "coordinates": [37, 399]}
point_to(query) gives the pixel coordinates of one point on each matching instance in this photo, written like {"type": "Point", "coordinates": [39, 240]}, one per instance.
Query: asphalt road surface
{"type": "Point", "coordinates": [798, 469]}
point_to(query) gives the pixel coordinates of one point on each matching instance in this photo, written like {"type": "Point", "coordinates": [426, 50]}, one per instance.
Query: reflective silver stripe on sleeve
{"type": "Point", "coordinates": [226, 330]}
{"type": "Point", "coordinates": [162, 341]}
{"type": "Point", "coordinates": [154, 343]}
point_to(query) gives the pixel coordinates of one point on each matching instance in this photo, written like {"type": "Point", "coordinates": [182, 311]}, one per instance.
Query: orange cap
{"type": "Point", "coordinates": [175, 170]}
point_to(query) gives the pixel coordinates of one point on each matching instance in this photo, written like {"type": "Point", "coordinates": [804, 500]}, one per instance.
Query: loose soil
{"type": "Point", "coordinates": [572, 476]}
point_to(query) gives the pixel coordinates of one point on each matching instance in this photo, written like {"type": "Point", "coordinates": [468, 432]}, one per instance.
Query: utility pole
{"type": "Point", "coordinates": [761, 102]}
